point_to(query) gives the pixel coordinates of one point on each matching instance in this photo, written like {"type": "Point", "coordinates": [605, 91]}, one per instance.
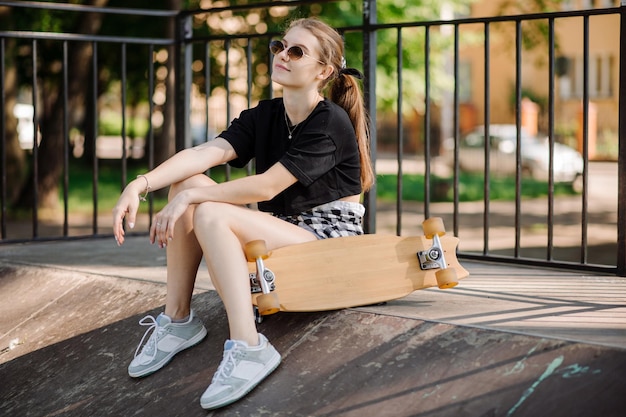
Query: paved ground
{"type": "Point", "coordinates": [506, 342]}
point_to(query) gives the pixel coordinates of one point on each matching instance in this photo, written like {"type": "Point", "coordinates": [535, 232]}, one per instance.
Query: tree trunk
{"type": "Point", "coordinates": [165, 145]}
{"type": "Point", "coordinates": [16, 157]}
{"type": "Point", "coordinates": [51, 156]}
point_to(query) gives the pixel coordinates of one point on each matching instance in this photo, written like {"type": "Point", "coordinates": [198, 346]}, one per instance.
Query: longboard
{"type": "Point", "coordinates": [352, 271]}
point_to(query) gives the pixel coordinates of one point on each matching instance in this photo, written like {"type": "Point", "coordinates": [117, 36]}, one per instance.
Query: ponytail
{"type": "Point", "coordinates": [346, 92]}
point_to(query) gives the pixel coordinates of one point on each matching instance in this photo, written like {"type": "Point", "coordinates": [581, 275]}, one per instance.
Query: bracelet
{"type": "Point", "coordinates": [148, 188]}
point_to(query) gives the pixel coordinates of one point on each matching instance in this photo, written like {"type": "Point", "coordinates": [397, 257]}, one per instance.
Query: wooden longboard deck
{"type": "Point", "coordinates": [352, 271]}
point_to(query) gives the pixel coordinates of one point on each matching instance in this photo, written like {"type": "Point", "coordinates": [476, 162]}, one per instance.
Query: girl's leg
{"type": "Point", "coordinates": [183, 258]}
{"type": "Point", "coordinates": [184, 255]}
{"type": "Point", "coordinates": [222, 230]}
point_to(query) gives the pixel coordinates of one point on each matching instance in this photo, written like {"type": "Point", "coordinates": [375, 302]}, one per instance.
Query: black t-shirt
{"type": "Point", "coordinates": [322, 154]}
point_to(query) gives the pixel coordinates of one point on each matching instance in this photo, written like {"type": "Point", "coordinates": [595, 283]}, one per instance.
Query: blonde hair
{"type": "Point", "coordinates": [344, 89]}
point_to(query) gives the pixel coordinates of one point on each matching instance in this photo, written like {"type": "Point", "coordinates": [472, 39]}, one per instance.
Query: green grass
{"type": "Point", "coordinates": [471, 187]}
{"type": "Point", "coordinates": [110, 185]}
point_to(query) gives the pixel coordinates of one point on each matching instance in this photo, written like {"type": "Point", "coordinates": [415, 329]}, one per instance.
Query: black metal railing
{"type": "Point", "coordinates": [90, 128]}
{"type": "Point", "coordinates": [470, 221]}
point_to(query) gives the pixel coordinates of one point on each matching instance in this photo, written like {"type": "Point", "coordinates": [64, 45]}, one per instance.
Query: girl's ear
{"type": "Point", "coordinates": [326, 73]}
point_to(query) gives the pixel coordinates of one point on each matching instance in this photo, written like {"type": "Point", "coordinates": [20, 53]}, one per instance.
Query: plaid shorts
{"type": "Point", "coordinates": [334, 219]}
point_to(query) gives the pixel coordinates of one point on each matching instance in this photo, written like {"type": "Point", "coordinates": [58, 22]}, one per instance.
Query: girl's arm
{"type": "Point", "coordinates": [185, 164]}
{"type": "Point", "coordinates": [182, 165]}
{"type": "Point", "coordinates": [250, 189]}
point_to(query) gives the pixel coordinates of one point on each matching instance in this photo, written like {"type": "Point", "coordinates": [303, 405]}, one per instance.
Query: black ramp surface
{"type": "Point", "coordinates": [344, 363]}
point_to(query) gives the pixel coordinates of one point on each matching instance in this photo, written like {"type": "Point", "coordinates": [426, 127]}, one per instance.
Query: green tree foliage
{"type": "Point", "coordinates": [268, 22]}
{"type": "Point", "coordinates": [215, 25]}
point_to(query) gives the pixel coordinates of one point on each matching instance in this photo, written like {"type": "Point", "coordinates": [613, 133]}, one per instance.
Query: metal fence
{"type": "Point", "coordinates": [538, 231]}
{"type": "Point", "coordinates": [27, 49]}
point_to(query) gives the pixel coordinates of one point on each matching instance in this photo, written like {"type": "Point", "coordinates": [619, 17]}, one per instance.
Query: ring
{"type": "Point", "coordinates": [158, 223]}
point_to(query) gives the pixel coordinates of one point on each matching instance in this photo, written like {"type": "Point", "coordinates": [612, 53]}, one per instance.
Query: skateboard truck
{"type": "Point", "coordinates": [256, 285]}
{"type": "Point", "coordinates": [433, 257]}
{"type": "Point", "coordinates": [263, 279]}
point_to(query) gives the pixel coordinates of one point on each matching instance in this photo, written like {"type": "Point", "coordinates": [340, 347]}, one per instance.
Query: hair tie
{"type": "Point", "coordinates": [351, 71]}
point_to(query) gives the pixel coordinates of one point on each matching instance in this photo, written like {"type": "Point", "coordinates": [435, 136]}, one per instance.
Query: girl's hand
{"type": "Point", "coordinates": [126, 207]}
{"type": "Point", "coordinates": [162, 229]}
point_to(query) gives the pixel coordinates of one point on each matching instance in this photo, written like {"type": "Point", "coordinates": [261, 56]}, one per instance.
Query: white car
{"type": "Point", "coordinates": [535, 155]}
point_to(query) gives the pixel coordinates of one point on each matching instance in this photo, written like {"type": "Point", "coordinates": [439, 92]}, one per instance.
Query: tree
{"type": "Point", "coordinates": [49, 168]}
{"type": "Point", "coordinates": [341, 15]}
{"type": "Point", "coordinates": [262, 20]}
{"type": "Point", "coordinates": [43, 180]}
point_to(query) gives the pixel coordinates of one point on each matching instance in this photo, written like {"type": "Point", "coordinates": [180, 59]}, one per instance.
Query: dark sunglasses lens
{"type": "Point", "coordinates": [295, 52]}
{"type": "Point", "coordinates": [276, 47]}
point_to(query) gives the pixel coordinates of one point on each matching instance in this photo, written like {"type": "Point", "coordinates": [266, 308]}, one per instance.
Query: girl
{"type": "Point", "coordinates": [312, 164]}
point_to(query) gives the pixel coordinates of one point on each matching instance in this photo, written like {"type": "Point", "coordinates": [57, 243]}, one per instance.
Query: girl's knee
{"type": "Point", "coordinates": [210, 212]}
{"type": "Point", "coordinates": [199, 180]}
{"type": "Point", "coordinates": [213, 220]}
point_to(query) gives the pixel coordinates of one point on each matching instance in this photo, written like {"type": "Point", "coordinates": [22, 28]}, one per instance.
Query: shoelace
{"type": "Point", "coordinates": [228, 364]}
{"type": "Point", "coordinates": [151, 343]}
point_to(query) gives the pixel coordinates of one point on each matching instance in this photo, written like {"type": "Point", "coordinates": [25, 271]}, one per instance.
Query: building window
{"type": "Point", "coordinates": [586, 4]}
{"type": "Point", "coordinates": [606, 3]}
{"type": "Point", "coordinates": [465, 81]}
{"type": "Point", "coordinates": [600, 76]}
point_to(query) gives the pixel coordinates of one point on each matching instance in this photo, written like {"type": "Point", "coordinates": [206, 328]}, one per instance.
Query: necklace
{"type": "Point", "coordinates": [293, 129]}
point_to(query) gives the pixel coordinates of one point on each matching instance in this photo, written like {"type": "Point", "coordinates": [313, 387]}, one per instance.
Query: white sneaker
{"type": "Point", "coordinates": [166, 340]}
{"type": "Point", "coordinates": [242, 368]}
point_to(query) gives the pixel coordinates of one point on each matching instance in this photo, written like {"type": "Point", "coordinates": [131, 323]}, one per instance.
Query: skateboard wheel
{"type": "Point", "coordinates": [268, 304]}
{"type": "Point", "coordinates": [446, 278]}
{"type": "Point", "coordinates": [255, 249]}
{"type": "Point", "coordinates": [433, 226]}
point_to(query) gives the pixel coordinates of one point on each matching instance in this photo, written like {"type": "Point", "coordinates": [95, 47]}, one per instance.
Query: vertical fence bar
{"type": "Point", "coordinates": [3, 138]}
{"type": "Point", "coordinates": [124, 137]}
{"type": "Point", "coordinates": [551, 139]}
{"type": "Point", "coordinates": [621, 165]}
{"type": "Point", "coordinates": [369, 87]}
{"type": "Point", "coordinates": [585, 193]}
{"type": "Point", "coordinates": [249, 81]}
{"type": "Point", "coordinates": [35, 143]}
{"type": "Point", "coordinates": [66, 142]}
{"type": "Point", "coordinates": [400, 133]}
{"type": "Point", "coordinates": [427, 121]}
{"type": "Point", "coordinates": [456, 127]}
{"type": "Point", "coordinates": [150, 143]}
{"type": "Point", "coordinates": [94, 136]}
{"type": "Point", "coordinates": [227, 88]}
{"type": "Point", "coordinates": [207, 85]}
{"type": "Point", "coordinates": [183, 55]}
{"type": "Point", "coordinates": [487, 116]}
{"type": "Point", "coordinates": [518, 136]}
{"type": "Point", "coordinates": [270, 61]}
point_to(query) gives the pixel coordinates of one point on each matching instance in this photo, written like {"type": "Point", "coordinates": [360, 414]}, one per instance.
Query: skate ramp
{"type": "Point", "coordinates": [342, 363]}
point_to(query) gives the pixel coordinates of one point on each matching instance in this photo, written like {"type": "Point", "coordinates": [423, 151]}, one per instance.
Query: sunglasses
{"type": "Point", "coordinates": [293, 52]}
